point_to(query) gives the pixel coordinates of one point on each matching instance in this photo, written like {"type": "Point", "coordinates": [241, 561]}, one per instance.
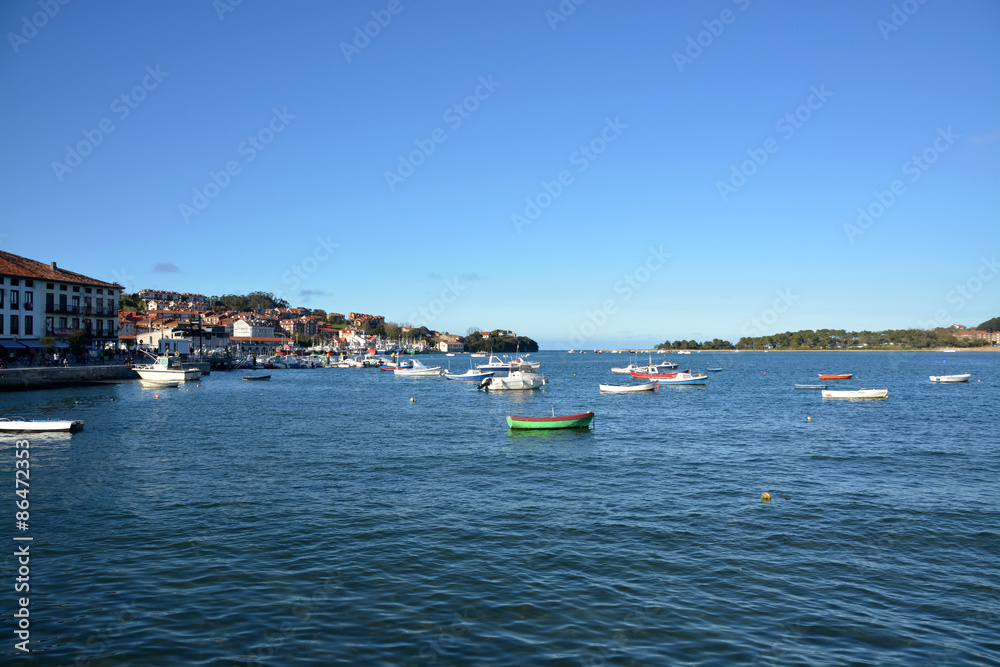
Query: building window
{"type": "Point", "coordinates": [62, 288]}
{"type": "Point", "coordinates": [1, 298]}
{"type": "Point", "coordinates": [76, 324]}
{"type": "Point", "coordinates": [76, 288]}
{"type": "Point", "coordinates": [15, 325]}
{"type": "Point", "coordinates": [49, 302]}
{"type": "Point", "coordinates": [49, 326]}
{"type": "Point", "coordinates": [14, 305]}
{"type": "Point", "coordinates": [62, 324]}
{"type": "Point", "coordinates": [87, 308]}
{"type": "Point", "coordinates": [1, 325]}
{"type": "Point", "coordinates": [29, 325]}
{"type": "Point", "coordinates": [76, 304]}
{"type": "Point", "coordinates": [86, 290]}
{"type": "Point", "coordinates": [29, 283]}
{"type": "Point", "coordinates": [29, 300]}
{"type": "Point", "coordinates": [50, 286]}
{"type": "Point", "coordinates": [100, 328]}
{"type": "Point", "coordinates": [15, 281]}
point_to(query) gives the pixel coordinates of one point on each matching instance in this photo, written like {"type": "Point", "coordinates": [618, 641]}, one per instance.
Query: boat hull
{"type": "Point", "coordinates": [582, 420]}
{"type": "Point", "coordinates": [858, 393]}
{"type": "Point", "coordinates": [684, 378]}
{"type": "Point", "coordinates": [177, 375]}
{"type": "Point", "coordinates": [627, 388]}
{"type": "Point", "coordinates": [468, 377]}
{"type": "Point", "coordinates": [810, 386]}
{"type": "Point", "coordinates": [951, 378]}
{"type": "Point", "coordinates": [847, 376]}
{"type": "Point", "coordinates": [41, 425]}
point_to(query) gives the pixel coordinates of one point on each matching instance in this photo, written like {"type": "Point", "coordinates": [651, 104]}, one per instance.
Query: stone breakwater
{"type": "Point", "coordinates": [20, 379]}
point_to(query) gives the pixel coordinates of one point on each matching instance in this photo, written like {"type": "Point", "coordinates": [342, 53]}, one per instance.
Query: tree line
{"type": "Point", "coordinates": [827, 339]}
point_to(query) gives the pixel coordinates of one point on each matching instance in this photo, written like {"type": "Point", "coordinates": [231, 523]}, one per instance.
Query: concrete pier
{"type": "Point", "coordinates": [20, 379]}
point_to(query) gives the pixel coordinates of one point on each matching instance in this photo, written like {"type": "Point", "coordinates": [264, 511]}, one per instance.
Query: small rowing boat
{"type": "Point", "coordinates": [581, 420]}
{"type": "Point", "coordinates": [810, 386]}
{"type": "Point", "coordinates": [625, 388]}
{"type": "Point", "coordinates": [857, 393]}
{"type": "Point", "coordinates": [683, 378]}
{"type": "Point", "coordinates": [40, 425]}
{"type": "Point", "coordinates": [257, 378]}
{"type": "Point", "coordinates": [847, 376]}
{"type": "Point", "coordinates": [964, 377]}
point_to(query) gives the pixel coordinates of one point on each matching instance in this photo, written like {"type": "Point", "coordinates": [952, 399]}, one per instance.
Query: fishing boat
{"type": "Point", "coordinates": [419, 370]}
{"type": "Point", "coordinates": [471, 374]}
{"type": "Point", "coordinates": [810, 386]}
{"type": "Point", "coordinates": [857, 393]}
{"type": "Point", "coordinates": [581, 420]}
{"type": "Point", "coordinates": [157, 384]}
{"type": "Point", "coordinates": [964, 377]}
{"type": "Point", "coordinates": [626, 388]}
{"type": "Point", "coordinates": [684, 378]}
{"type": "Point", "coordinates": [256, 378]}
{"type": "Point", "coordinates": [162, 369]}
{"type": "Point", "coordinates": [846, 376]}
{"type": "Point", "coordinates": [519, 376]}
{"type": "Point", "coordinates": [40, 425]}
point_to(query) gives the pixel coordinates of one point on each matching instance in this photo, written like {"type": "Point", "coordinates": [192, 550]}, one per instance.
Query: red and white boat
{"type": "Point", "coordinates": [846, 376]}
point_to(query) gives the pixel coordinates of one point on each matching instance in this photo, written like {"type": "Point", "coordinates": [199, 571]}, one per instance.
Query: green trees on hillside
{"type": "Point", "coordinates": [829, 339]}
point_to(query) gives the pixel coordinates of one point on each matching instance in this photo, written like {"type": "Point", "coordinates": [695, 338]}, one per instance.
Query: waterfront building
{"type": "Point", "coordinates": [40, 300]}
{"type": "Point", "coordinates": [974, 334]}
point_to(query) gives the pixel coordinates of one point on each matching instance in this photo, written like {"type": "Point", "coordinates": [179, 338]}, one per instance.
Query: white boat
{"type": "Point", "coordinates": [520, 376]}
{"type": "Point", "coordinates": [471, 374]}
{"type": "Point", "coordinates": [627, 370]}
{"type": "Point", "coordinates": [498, 365]}
{"type": "Point", "coordinates": [39, 425]}
{"type": "Point", "coordinates": [683, 377]}
{"type": "Point", "coordinates": [419, 370]}
{"type": "Point", "coordinates": [478, 355]}
{"type": "Point", "coordinates": [162, 370]}
{"type": "Point", "coordinates": [683, 351]}
{"type": "Point", "coordinates": [160, 383]}
{"type": "Point", "coordinates": [624, 388]}
{"type": "Point", "coordinates": [856, 393]}
{"type": "Point", "coordinates": [964, 377]}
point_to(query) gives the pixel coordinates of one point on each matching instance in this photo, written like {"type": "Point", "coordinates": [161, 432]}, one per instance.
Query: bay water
{"type": "Point", "coordinates": [323, 517]}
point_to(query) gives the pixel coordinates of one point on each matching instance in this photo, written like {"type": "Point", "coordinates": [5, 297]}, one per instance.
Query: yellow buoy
{"type": "Point", "coordinates": [413, 400]}
{"type": "Point", "coordinates": [809, 419]}
{"type": "Point", "coordinates": [766, 497]}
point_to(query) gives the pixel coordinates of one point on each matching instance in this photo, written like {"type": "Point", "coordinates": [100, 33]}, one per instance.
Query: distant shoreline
{"type": "Point", "coordinates": [991, 348]}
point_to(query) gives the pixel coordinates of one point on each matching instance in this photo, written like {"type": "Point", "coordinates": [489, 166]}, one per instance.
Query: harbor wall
{"type": "Point", "coordinates": [20, 379]}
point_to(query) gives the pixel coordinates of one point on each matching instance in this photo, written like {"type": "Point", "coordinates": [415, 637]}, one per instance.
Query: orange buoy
{"type": "Point", "coordinates": [765, 497]}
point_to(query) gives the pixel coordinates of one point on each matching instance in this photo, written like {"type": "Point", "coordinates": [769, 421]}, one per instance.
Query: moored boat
{"type": "Point", "coordinates": [519, 376]}
{"type": "Point", "coordinates": [471, 374]}
{"type": "Point", "coordinates": [40, 425]}
{"type": "Point", "coordinates": [581, 420]}
{"type": "Point", "coordinates": [810, 386]}
{"type": "Point", "coordinates": [846, 376]}
{"type": "Point", "coordinates": [162, 369]}
{"type": "Point", "coordinates": [258, 378]}
{"type": "Point", "coordinates": [627, 388]}
{"type": "Point", "coordinates": [963, 377]}
{"type": "Point", "coordinates": [714, 370]}
{"type": "Point", "coordinates": [684, 378]}
{"type": "Point", "coordinates": [158, 384]}
{"type": "Point", "coordinates": [857, 393]}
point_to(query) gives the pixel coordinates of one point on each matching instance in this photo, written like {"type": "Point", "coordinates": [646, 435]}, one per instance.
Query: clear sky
{"type": "Point", "coordinates": [593, 175]}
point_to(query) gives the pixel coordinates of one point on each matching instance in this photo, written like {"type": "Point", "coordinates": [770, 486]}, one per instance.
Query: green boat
{"type": "Point", "coordinates": [581, 420]}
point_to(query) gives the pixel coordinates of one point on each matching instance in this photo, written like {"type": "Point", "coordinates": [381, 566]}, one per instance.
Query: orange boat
{"type": "Point", "coordinates": [836, 377]}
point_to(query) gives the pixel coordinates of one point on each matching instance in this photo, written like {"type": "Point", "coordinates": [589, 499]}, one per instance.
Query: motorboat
{"type": "Point", "coordinates": [419, 370]}
{"type": "Point", "coordinates": [21, 424]}
{"type": "Point", "coordinates": [856, 393]}
{"type": "Point", "coordinates": [683, 378]}
{"type": "Point", "coordinates": [964, 377]}
{"type": "Point", "coordinates": [471, 374]}
{"type": "Point", "coordinates": [520, 376]}
{"type": "Point", "coordinates": [627, 388]}
{"type": "Point", "coordinates": [162, 368]}
{"type": "Point", "coordinates": [498, 365]}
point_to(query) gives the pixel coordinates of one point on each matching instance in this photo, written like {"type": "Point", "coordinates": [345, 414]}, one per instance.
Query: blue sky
{"type": "Point", "coordinates": [618, 174]}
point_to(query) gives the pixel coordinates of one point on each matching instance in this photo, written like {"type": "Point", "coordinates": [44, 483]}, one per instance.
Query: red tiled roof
{"type": "Point", "coordinates": [22, 267]}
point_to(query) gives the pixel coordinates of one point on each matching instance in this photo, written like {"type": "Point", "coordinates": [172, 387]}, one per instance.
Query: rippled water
{"type": "Point", "coordinates": [325, 517]}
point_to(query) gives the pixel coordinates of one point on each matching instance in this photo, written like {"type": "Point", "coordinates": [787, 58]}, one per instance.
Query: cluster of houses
{"type": "Point", "coordinates": [42, 306]}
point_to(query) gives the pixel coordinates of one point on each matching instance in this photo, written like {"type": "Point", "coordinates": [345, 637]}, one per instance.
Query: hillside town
{"type": "Point", "coordinates": [85, 319]}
